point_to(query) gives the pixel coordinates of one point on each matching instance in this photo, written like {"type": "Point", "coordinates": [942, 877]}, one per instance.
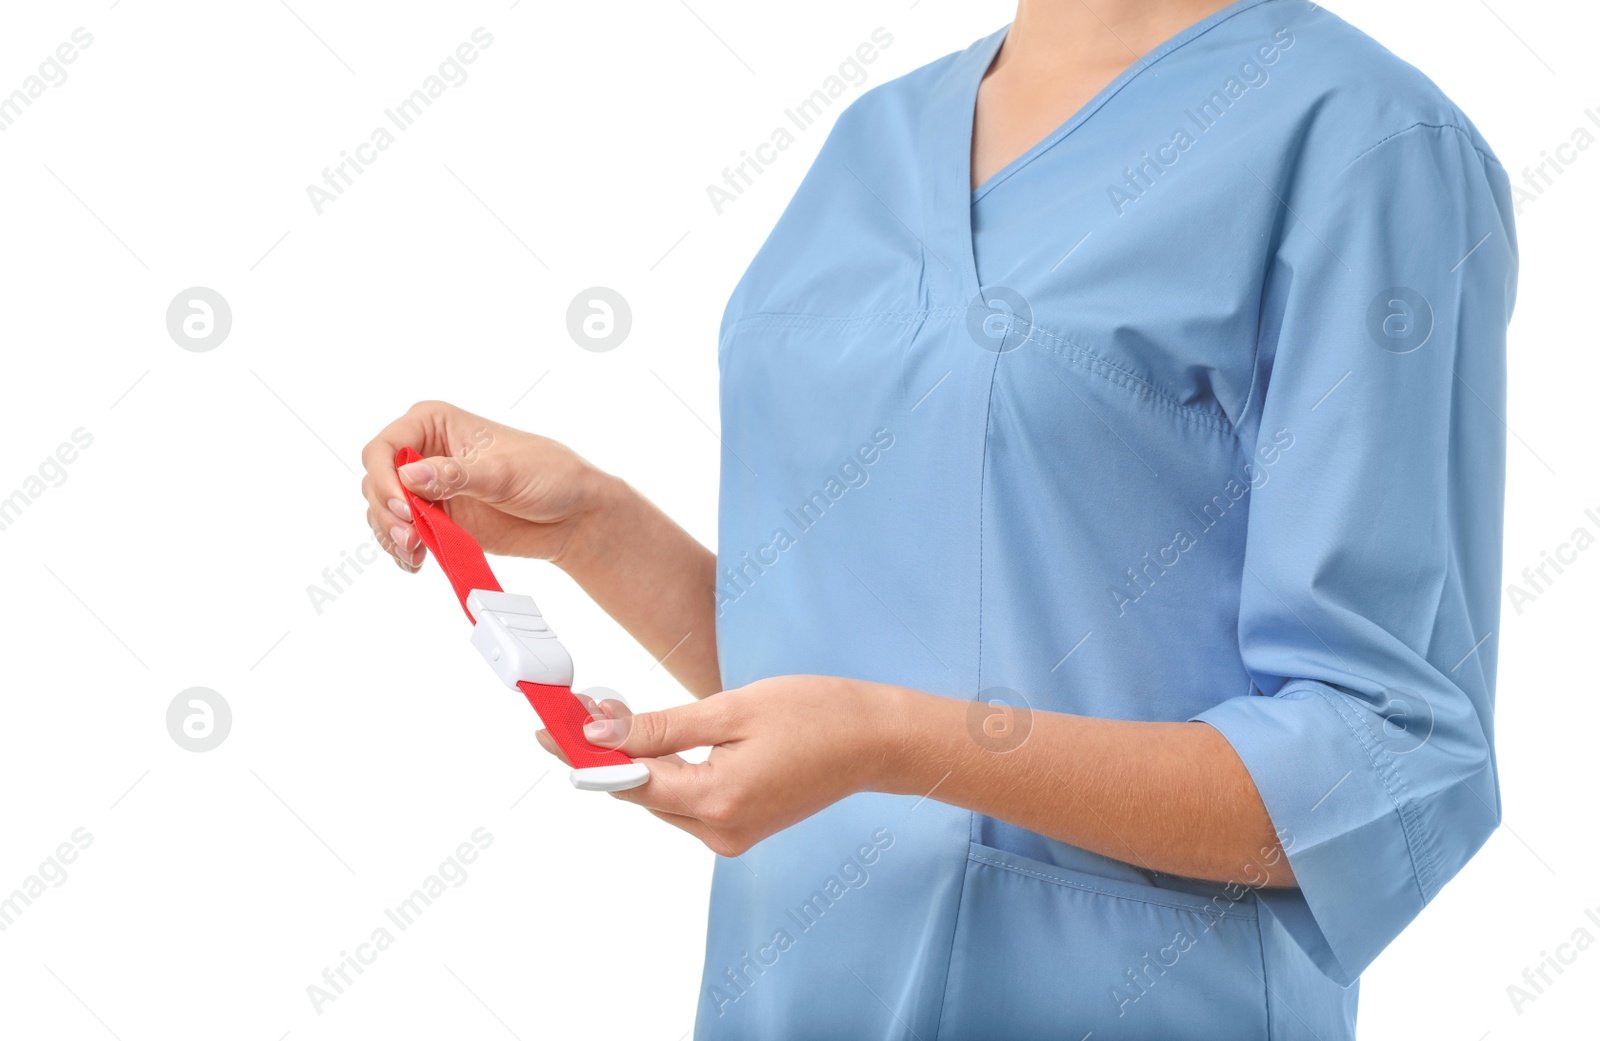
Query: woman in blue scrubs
{"type": "Point", "coordinates": [1102, 626]}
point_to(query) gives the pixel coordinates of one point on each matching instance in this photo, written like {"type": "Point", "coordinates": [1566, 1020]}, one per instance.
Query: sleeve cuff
{"type": "Point", "coordinates": [1339, 804]}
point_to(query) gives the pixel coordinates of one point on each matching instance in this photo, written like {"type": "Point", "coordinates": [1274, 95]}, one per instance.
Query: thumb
{"type": "Point", "coordinates": [441, 477]}
{"type": "Point", "coordinates": [657, 734]}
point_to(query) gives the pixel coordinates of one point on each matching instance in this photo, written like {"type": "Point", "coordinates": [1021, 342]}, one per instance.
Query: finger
{"type": "Point", "coordinates": [548, 743]}
{"type": "Point", "coordinates": [699, 829]}
{"type": "Point", "coordinates": [403, 533]}
{"type": "Point", "coordinates": [385, 497]}
{"type": "Point", "coordinates": [400, 541]}
{"type": "Point", "coordinates": [611, 708]}
{"type": "Point", "coordinates": [674, 787]}
{"type": "Point", "coordinates": [677, 820]}
{"type": "Point", "coordinates": [409, 561]}
{"type": "Point", "coordinates": [406, 539]}
{"type": "Point", "coordinates": [415, 429]}
{"type": "Point", "coordinates": [382, 516]}
{"type": "Point", "coordinates": [590, 705]}
{"type": "Point", "coordinates": [406, 561]}
{"type": "Point", "coordinates": [616, 708]}
{"type": "Point", "coordinates": [438, 477]}
{"type": "Point", "coordinates": [653, 734]}
{"type": "Point", "coordinates": [681, 796]}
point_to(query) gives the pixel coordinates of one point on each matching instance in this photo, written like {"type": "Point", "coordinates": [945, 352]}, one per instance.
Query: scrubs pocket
{"type": "Point", "coordinates": [1042, 951]}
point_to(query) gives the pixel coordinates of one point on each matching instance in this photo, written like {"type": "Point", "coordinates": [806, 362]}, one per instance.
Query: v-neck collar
{"type": "Point", "coordinates": [953, 196]}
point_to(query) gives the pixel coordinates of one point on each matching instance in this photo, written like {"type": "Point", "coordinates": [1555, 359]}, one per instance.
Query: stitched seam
{"type": "Point", "coordinates": [1255, 371]}
{"type": "Point", "coordinates": [983, 480]}
{"type": "Point", "coordinates": [1255, 358]}
{"type": "Point", "coordinates": [1071, 350]}
{"type": "Point", "coordinates": [1410, 815]}
{"type": "Point", "coordinates": [1383, 764]}
{"type": "Point", "coordinates": [1114, 373]}
{"type": "Point", "coordinates": [869, 317]}
{"type": "Point", "coordinates": [972, 816]}
{"type": "Point", "coordinates": [1266, 989]}
{"type": "Point", "coordinates": [1422, 125]}
{"type": "Point", "coordinates": [955, 929]}
{"type": "Point", "coordinates": [1075, 884]}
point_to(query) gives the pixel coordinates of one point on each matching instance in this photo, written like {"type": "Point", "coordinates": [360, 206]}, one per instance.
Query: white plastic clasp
{"type": "Point", "coordinates": [519, 645]}
{"type": "Point", "coordinates": [515, 640]}
{"type": "Point", "coordinates": [618, 778]}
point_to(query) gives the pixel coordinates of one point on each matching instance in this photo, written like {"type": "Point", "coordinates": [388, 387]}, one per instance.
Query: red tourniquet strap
{"type": "Point", "coordinates": [563, 714]}
{"type": "Point", "coordinates": [462, 559]}
{"type": "Point", "coordinates": [457, 552]}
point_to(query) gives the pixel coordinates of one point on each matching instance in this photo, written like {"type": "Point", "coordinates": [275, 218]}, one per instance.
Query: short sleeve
{"type": "Point", "coordinates": [1370, 587]}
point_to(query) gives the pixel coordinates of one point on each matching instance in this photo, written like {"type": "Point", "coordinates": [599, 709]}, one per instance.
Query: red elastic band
{"type": "Point", "coordinates": [463, 562]}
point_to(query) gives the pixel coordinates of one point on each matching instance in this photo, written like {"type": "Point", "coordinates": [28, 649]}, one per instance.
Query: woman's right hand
{"type": "Point", "coordinates": [517, 493]}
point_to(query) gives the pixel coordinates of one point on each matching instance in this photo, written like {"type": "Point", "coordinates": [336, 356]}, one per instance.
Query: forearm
{"type": "Point", "coordinates": [1169, 797]}
{"type": "Point", "coordinates": [653, 577]}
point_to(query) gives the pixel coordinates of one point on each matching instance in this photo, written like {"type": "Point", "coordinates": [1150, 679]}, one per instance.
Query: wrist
{"type": "Point", "coordinates": [912, 751]}
{"type": "Point", "coordinates": [596, 525]}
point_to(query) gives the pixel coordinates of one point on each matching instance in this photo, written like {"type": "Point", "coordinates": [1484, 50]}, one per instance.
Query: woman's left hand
{"type": "Point", "coordinates": [781, 749]}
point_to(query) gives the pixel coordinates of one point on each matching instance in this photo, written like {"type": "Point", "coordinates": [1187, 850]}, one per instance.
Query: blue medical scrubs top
{"type": "Point", "coordinates": [1191, 412]}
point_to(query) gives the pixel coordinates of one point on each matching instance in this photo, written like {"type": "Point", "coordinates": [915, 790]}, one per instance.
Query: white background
{"type": "Point", "coordinates": [368, 740]}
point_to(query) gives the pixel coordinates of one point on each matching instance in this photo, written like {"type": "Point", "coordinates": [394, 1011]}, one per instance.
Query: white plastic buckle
{"type": "Point", "coordinates": [520, 646]}
{"type": "Point", "coordinates": [617, 778]}
{"type": "Point", "coordinates": [515, 640]}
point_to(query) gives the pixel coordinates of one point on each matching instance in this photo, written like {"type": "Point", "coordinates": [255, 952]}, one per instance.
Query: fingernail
{"type": "Point", "coordinates": [400, 508]}
{"type": "Point", "coordinates": [600, 730]}
{"type": "Point", "coordinates": [418, 474]}
{"type": "Point", "coordinates": [400, 536]}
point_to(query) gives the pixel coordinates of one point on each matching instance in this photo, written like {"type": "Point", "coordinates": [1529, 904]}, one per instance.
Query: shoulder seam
{"type": "Point", "coordinates": [1423, 125]}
